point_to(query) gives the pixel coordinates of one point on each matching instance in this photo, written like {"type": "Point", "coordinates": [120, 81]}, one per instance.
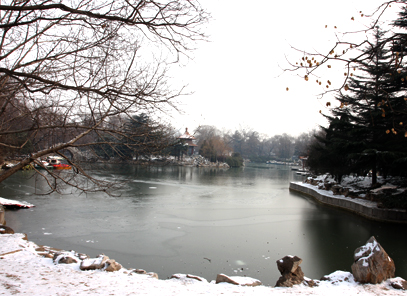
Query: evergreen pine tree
{"type": "Point", "coordinates": [362, 137]}
{"type": "Point", "coordinates": [329, 152]}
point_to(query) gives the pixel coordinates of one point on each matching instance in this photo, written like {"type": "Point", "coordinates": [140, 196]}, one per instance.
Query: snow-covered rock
{"type": "Point", "coordinates": [237, 280]}
{"type": "Point", "coordinates": [188, 278]}
{"type": "Point", "coordinates": [65, 258]}
{"type": "Point", "coordinates": [399, 283]}
{"type": "Point", "coordinates": [372, 263]}
{"type": "Point", "coordinates": [94, 263]}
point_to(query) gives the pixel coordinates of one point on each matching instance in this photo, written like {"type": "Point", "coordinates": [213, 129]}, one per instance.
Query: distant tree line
{"type": "Point", "coordinates": [217, 145]}
{"type": "Point", "coordinates": [121, 137]}
{"type": "Point", "coordinates": [128, 137]}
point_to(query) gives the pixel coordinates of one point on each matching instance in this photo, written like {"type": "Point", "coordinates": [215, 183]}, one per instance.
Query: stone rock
{"type": "Point", "coordinates": [291, 272]}
{"type": "Point", "coordinates": [291, 279]}
{"type": "Point", "coordinates": [82, 256]}
{"type": "Point", "coordinates": [112, 265]}
{"type": "Point", "coordinates": [44, 253]}
{"type": "Point", "coordinates": [237, 280]}
{"type": "Point", "coordinates": [372, 264]}
{"type": "Point", "coordinates": [399, 284]}
{"type": "Point", "coordinates": [95, 263]}
{"type": "Point", "coordinates": [6, 230]}
{"type": "Point", "coordinates": [138, 271]}
{"type": "Point", "coordinates": [65, 258]}
{"type": "Point", "coordinates": [310, 282]}
{"type": "Point", "coordinates": [48, 252]}
{"type": "Point", "coordinates": [288, 264]}
{"type": "Point", "coordinates": [142, 271]}
{"type": "Point", "coordinates": [201, 279]}
{"type": "Point", "coordinates": [152, 274]}
{"type": "Point", "coordinates": [188, 277]}
{"type": "Point", "coordinates": [41, 249]}
{"type": "Point", "coordinates": [223, 278]}
{"type": "Point", "coordinates": [338, 277]}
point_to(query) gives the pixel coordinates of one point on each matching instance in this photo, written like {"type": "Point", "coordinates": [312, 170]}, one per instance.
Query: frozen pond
{"type": "Point", "coordinates": [200, 221]}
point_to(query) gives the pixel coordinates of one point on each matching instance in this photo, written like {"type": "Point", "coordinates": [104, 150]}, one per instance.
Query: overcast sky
{"type": "Point", "coordinates": [237, 77]}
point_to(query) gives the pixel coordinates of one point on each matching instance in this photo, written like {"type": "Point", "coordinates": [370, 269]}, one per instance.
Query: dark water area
{"type": "Point", "coordinates": [201, 221]}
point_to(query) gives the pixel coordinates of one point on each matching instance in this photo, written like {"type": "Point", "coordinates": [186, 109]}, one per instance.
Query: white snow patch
{"type": "Point", "coordinates": [93, 261]}
{"type": "Point", "coordinates": [9, 202]}
{"type": "Point", "coordinates": [368, 247]}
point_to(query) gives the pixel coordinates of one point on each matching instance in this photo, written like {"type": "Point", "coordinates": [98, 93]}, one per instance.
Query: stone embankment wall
{"type": "Point", "coordinates": [362, 207]}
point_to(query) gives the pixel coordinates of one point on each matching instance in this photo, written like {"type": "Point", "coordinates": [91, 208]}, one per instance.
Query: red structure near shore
{"type": "Point", "coordinates": [188, 139]}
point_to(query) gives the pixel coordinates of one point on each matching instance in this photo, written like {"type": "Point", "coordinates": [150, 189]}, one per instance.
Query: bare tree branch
{"type": "Point", "coordinates": [68, 69]}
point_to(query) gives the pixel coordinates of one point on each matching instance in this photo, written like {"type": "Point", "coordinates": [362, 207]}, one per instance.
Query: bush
{"type": "Point", "coordinates": [235, 160]}
{"type": "Point", "coordinates": [398, 201]}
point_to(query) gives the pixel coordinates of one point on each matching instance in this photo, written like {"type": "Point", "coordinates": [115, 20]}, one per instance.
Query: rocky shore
{"type": "Point", "coordinates": [372, 267]}
{"type": "Point", "coordinates": [353, 190]}
{"type": "Point", "coordinates": [361, 200]}
{"type": "Point", "coordinates": [194, 161]}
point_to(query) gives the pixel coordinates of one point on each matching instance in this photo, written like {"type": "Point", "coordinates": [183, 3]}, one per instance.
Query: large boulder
{"type": "Point", "coordinates": [291, 272]}
{"type": "Point", "coordinates": [372, 264]}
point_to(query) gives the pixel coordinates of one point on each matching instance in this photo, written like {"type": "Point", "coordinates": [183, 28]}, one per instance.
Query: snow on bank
{"type": "Point", "coordinates": [355, 183]}
{"type": "Point", "coordinates": [24, 272]}
{"type": "Point", "coordinates": [15, 203]}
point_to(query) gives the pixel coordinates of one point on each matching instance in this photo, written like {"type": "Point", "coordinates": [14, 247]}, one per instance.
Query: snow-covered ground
{"type": "Point", "coordinates": [24, 272]}
{"type": "Point", "coordinates": [356, 183]}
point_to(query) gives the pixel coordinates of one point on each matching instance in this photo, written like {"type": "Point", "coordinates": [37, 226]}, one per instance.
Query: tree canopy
{"type": "Point", "coordinates": [367, 129]}
{"type": "Point", "coordinates": [67, 68]}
